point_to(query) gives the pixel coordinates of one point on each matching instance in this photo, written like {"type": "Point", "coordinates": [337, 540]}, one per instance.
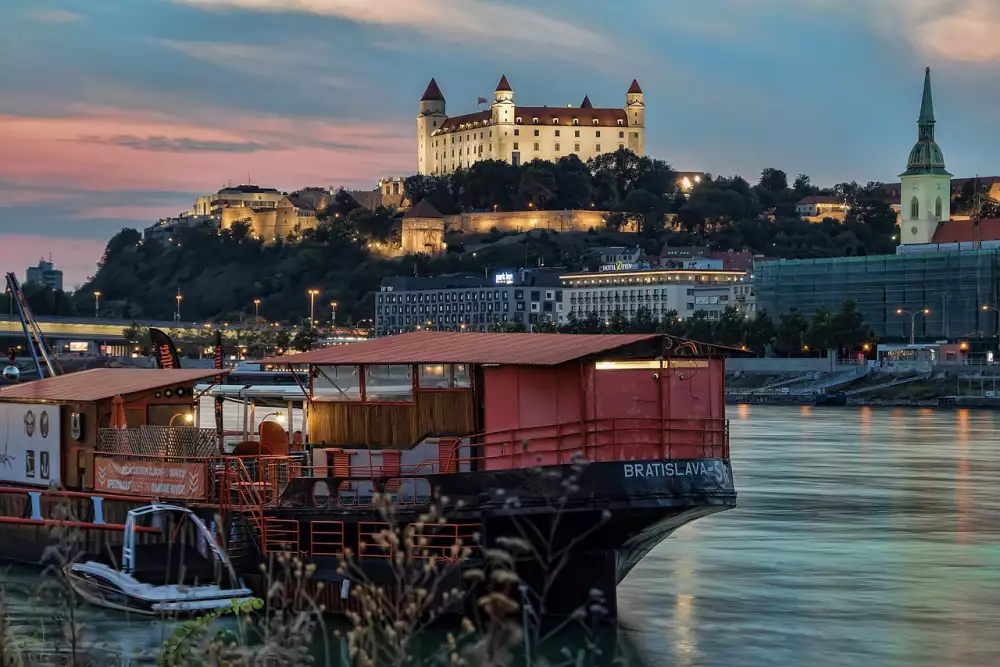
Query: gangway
{"type": "Point", "coordinates": [45, 361]}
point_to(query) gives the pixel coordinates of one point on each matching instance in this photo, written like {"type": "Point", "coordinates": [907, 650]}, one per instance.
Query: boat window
{"type": "Point", "coordinates": [321, 493]}
{"type": "Point", "coordinates": [408, 491]}
{"type": "Point", "coordinates": [462, 378]}
{"type": "Point", "coordinates": [435, 376]}
{"type": "Point", "coordinates": [388, 384]}
{"type": "Point", "coordinates": [355, 493]}
{"type": "Point", "coordinates": [337, 383]}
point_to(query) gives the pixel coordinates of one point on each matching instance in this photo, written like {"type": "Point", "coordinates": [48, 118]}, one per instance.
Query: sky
{"type": "Point", "coordinates": [114, 113]}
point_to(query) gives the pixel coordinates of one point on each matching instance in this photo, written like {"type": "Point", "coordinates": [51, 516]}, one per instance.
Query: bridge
{"type": "Point", "coordinates": [95, 329]}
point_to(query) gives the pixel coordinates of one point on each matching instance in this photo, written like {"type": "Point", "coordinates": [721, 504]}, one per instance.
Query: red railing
{"type": "Point", "coordinates": [280, 535]}
{"type": "Point", "coordinates": [326, 538]}
{"type": "Point", "coordinates": [33, 514]}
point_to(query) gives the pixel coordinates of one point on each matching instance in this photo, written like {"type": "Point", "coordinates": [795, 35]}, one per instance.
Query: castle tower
{"type": "Point", "coordinates": [925, 195]}
{"type": "Point", "coordinates": [432, 114]}
{"type": "Point", "coordinates": [502, 118]}
{"type": "Point", "coordinates": [635, 109]}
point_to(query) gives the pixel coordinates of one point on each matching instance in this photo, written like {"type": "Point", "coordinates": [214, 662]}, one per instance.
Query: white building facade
{"type": "Point", "coordinates": [659, 291]}
{"type": "Point", "coordinates": [519, 134]}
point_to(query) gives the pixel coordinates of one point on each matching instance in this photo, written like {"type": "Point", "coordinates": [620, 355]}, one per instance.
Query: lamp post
{"type": "Point", "coordinates": [312, 308]}
{"type": "Point", "coordinates": [913, 319]}
{"type": "Point", "coordinates": [333, 314]}
{"type": "Point", "coordinates": [997, 332]}
{"type": "Point", "coordinates": [97, 304]}
{"type": "Point", "coordinates": [177, 315]}
{"type": "Point", "coordinates": [256, 310]}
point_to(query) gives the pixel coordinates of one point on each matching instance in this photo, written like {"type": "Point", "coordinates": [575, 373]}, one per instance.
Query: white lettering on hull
{"type": "Point", "coordinates": [716, 469]}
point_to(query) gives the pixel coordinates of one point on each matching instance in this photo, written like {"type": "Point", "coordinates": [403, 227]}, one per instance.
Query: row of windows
{"type": "Point", "coordinates": [456, 321]}
{"type": "Point", "coordinates": [517, 133]}
{"type": "Point", "coordinates": [626, 292]}
{"type": "Point", "coordinates": [468, 295]}
{"type": "Point", "coordinates": [489, 307]}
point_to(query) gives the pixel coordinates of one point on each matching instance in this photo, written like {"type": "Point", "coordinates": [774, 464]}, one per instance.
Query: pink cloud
{"type": "Point", "coordinates": [115, 149]}
{"type": "Point", "coordinates": [76, 258]}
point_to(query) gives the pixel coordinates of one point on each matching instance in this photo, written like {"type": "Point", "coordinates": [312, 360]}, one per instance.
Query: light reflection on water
{"type": "Point", "coordinates": [862, 537]}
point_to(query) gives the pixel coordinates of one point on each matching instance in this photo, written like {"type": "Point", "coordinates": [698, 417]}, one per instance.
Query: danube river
{"type": "Point", "coordinates": [863, 538]}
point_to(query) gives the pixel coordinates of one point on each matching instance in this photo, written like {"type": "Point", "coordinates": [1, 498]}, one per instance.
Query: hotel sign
{"type": "Point", "coordinates": [619, 266]}
{"type": "Point", "coordinates": [504, 278]}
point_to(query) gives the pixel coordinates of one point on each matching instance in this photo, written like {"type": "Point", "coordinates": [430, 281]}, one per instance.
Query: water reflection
{"type": "Point", "coordinates": [863, 537]}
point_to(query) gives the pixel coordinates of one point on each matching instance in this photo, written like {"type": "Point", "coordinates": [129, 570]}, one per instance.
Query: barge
{"type": "Point", "coordinates": [594, 448]}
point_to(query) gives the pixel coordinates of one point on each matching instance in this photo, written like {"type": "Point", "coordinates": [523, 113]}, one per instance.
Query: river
{"type": "Point", "coordinates": [864, 537]}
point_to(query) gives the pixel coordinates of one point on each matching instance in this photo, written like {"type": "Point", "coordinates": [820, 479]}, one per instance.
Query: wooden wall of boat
{"type": "Point", "coordinates": [449, 412]}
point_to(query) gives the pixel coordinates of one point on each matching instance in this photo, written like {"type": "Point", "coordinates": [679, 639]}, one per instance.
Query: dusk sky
{"type": "Point", "coordinates": [114, 113]}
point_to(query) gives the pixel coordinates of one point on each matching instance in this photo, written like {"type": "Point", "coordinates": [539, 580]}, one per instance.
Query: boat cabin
{"type": "Point", "coordinates": [438, 402]}
{"type": "Point", "coordinates": [58, 427]}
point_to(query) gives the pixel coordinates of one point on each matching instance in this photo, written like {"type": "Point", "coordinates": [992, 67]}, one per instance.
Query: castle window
{"type": "Point", "coordinates": [534, 120]}
{"type": "Point", "coordinates": [435, 123]}
{"type": "Point", "coordinates": [536, 145]}
{"type": "Point", "coordinates": [518, 120]}
{"type": "Point", "coordinates": [938, 206]}
{"type": "Point", "coordinates": [577, 134]}
{"type": "Point", "coordinates": [517, 132]}
{"type": "Point", "coordinates": [620, 122]}
{"type": "Point", "coordinates": [576, 148]}
{"type": "Point", "coordinates": [576, 121]}
{"type": "Point", "coordinates": [914, 208]}
{"type": "Point", "coordinates": [598, 134]}
{"type": "Point", "coordinates": [557, 133]}
{"type": "Point", "coordinates": [596, 122]}
{"type": "Point", "coordinates": [598, 147]}
{"type": "Point", "coordinates": [515, 145]}
{"type": "Point", "coordinates": [557, 148]}
{"type": "Point", "coordinates": [635, 134]}
{"type": "Point", "coordinates": [555, 121]}
{"type": "Point", "coordinates": [621, 145]}
{"type": "Point", "coordinates": [621, 135]}
{"type": "Point", "coordinates": [536, 133]}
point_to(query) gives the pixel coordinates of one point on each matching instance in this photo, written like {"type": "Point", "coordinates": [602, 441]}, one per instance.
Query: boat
{"type": "Point", "coordinates": [135, 586]}
{"type": "Point", "coordinates": [605, 444]}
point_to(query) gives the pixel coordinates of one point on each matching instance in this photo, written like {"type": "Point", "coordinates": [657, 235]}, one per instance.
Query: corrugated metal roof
{"type": "Point", "coordinates": [443, 347]}
{"type": "Point", "coordinates": [100, 383]}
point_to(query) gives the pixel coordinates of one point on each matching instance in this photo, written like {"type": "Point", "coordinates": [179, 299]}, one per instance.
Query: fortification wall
{"type": "Point", "coordinates": [523, 221]}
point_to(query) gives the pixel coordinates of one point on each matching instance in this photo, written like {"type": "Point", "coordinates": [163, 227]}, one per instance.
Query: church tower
{"type": "Point", "coordinates": [925, 195]}
{"type": "Point", "coordinates": [430, 118]}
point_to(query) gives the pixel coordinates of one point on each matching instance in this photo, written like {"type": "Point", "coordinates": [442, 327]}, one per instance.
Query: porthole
{"type": "Point", "coordinates": [321, 494]}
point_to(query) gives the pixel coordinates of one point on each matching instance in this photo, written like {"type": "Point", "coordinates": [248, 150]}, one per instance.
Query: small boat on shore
{"type": "Point", "coordinates": [171, 580]}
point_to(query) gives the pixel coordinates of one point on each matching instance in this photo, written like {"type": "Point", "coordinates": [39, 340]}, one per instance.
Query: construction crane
{"type": "Point", "coordinates": [45, 361]}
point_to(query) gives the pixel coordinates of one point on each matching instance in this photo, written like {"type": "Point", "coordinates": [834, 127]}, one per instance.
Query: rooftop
{"type": "Point", "coordinates": [102, 383]}
{"type": "Point", "coordinates": [515, 349]}
{"type": "Point", "coordinates": [966, 231]}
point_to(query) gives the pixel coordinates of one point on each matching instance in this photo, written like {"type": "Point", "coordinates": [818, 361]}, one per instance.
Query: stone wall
{"type": "Point", "coordinates": [268, 223]}
{"type": "Point", "coordinates": [524, 221]}
{"type": "Point", "coordinates": [424, 235]}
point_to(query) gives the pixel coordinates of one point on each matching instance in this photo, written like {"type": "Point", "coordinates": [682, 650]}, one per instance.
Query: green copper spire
{"type": "Point", "coordinates": [926, 156]}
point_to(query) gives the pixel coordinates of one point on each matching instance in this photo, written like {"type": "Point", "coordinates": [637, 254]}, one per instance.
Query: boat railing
{"type": "Point", "coordinates": [40, 507]}
{"type": "Point", "coordinates": [597, 440]}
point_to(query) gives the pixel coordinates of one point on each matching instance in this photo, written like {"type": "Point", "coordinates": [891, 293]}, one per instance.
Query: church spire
{"type": "Point", "coordinates": [927, 103]}
{"type": "Point", "coordinates": [926, 156]}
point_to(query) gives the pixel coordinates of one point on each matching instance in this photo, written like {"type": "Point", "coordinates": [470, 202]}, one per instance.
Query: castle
{"type": "Point", "coordinates": [519, 134]}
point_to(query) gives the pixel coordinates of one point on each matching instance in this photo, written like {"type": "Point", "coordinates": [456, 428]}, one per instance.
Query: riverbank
{"type": "Point", "coordinates": [946, 388]}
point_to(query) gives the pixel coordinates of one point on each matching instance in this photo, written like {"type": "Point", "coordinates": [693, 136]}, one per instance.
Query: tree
{"type": "Point", "coordinates": [848, 330]}
{"type": "Point", "coordinates": [699, 327]}
{"type": "Point", "coordinates": [788, 337]}
{"type": "Point", "coordinates": [759, 333]}
{"type": "Point", "coordinates": [646, 211]}
{"type": "Point", "coordinates": [372, 224]}
{"type": "Point", "coordinates": [773, 180]}
{"type": "Point", "coordinates": [819, 335]}
{"type": "Point", "coordinates": [729, 329]}
{"type": "Point", "coordinates": [623, 166]}
{"type": "Point", "coordinates": [305, 338]}
{"type": "Point", "coordinates": [618, 324]}
{"type": "Point", "coordinates": [574, 184]}
{"type": "Point", "coordinates": [643, 321]}
{"type": "Point", "coordinates": [538, 186]}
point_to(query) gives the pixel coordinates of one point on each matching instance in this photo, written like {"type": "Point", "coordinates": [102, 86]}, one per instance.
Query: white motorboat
{"type": "Point", "coordinates": [192, 578]}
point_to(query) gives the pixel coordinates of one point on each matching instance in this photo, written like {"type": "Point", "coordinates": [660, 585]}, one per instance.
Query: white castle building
{"type": "Point", "coordinates": [518, 134]}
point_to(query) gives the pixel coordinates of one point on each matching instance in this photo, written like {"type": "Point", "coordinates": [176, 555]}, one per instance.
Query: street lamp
{"type": "Point", "coordinates": [312, 308]}
{"type": "Point", "coordinates": [256, 309]}
{"type": "Point", "coordinates": [177, 315]}
{"type": "Point", "coordinates": [188, 417]}
{"type": "Point", "coordinates": [97, 304]}
{"type": "Point", "coordinates": [333, 314]}
{"type": "Point", "coordinates": [913, 319]}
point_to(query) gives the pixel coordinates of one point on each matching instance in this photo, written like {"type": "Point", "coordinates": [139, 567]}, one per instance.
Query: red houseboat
{"type": "Point", "coordinates": [495, 423]}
